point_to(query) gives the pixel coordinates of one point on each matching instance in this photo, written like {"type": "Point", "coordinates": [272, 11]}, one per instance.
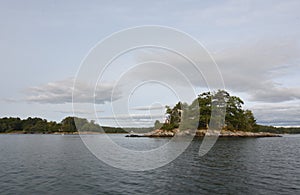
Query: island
{"type": "Point", "coordinates": [238, 122]}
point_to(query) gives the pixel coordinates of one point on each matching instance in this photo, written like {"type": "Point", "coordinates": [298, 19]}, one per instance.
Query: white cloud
{"type": "Point", "coordinates": [133, 116]}
{"type": "Point", "coordinates": [252, 68]}
{"type": "Point", "coordinates": [156, 107]}
{"type": "Point", "coordinates": [284, 114]}
{"type": "Point", "coordinates": [131, 120]}
{"type": "Point", "coordinates": [82, 112]}
{"type": "Point", "coordinates": [60, 92]}
{"type": "Point", "coordinates": [276, 94]}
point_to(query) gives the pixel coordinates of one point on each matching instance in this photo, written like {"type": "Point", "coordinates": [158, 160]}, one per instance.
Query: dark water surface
{"type": "Point", "coordinates": [55, 164]}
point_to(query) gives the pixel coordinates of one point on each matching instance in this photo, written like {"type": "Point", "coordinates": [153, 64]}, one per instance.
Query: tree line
{"type": "Point", "coordinates": [38, 125]}
{"type": "Point", "coordinates": [67, 125]}
{"type": "Point", "coordinates": [29, 125]}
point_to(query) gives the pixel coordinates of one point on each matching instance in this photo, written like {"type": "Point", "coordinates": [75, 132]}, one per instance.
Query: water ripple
{"type": "Point", "coordinates": [36, 164]}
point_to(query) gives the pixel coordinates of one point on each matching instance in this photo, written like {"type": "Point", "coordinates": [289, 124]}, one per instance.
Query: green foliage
{"type": "Point", "coordinates": [279, 130]}
{"type": "Point", "coordinates": [114, 130]}
{"type": "Point", "coordinates": [204, 102]}
{"type": "Point", "coordinates": [68, 125]}
{"type": "Point", "coordinates": [175, 113]}
{"type": "Point", "coordinates": [235, 117]}
{"type": "Point", "coordinates": [72, 124]}
{"type": "Point", "coordinates": [10, 124]}
{"type": "Point", "coordinates": [169, 126]}
{"type": "Point", "coordinates": [190, 116]}
{"type": "Point", "coordinates": [29, 125]}
{"type": "Point", "coordinates": [157, 124]}
{"type": "Point", "coordinates": [38, 125]}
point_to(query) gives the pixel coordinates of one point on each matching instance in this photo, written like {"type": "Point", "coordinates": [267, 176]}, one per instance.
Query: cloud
{"type": "Point", "coordinates": [263, 71]}
{"type": "Point", "coordinates": [82, 112]}
{"type": "Point", "coordinates": [60, 92]}
{"type": "Point", "coordinates": [251, 68]}
{"type": "Point", "coordinates": [255, 69]}
{"type": "Point", "coordinates": [276, 94]}
{"type": "Point", "coordinates": [284, 114]}
{"type": "Point", "coordinates": [133, 117]}
{"type": "Point", "coordinates": [9, 100]}
{"type": "Point", "coordinates": [131, 120]}
{"type": "Point", "coordinates": [142, 108]}
{"type": "Point", "coordinates": [247, 13]}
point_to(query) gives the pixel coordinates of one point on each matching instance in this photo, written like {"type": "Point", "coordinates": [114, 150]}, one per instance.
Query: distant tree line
{"type": "Point", "coordinates": [272, 129]}
{"type": "Point", "coordinates": [236, 118]}
{"type": "Point", "coordinates": [29, 125]}
{"type": "Point", "coordinates": [67, 125]}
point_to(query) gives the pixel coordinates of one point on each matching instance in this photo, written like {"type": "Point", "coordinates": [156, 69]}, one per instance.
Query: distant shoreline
{"type": "Point", "coordinates": [160, 133]}
{"type": "Point", "coordinates": [57, 133]}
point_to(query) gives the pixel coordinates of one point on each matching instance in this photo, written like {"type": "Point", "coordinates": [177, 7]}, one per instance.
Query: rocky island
{"type": "Point", "coordinates": [235, 121]}
{"type": "Point", "coordinates": [238, 122]}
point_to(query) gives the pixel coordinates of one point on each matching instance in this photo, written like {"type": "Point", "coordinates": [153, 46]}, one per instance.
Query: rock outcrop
{"type": "Point", "coordinates": [202, 133]}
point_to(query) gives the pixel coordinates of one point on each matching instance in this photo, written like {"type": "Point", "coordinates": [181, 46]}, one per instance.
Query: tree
{"type": "Point", "coordinates": [190, 116]}
{"type": "Point", "coordinates": [249, 122]}
{"type": "Point", "coordinates": [157, 124]}
{"type": "Point", "coordinates": [221, 103]}
{"type": "Point", "coordinates": [204, 101]}
{"type": "Point", "coordinates": [234, 113]}
{"type": "Point", "coordinates": [68, 124]}
{"type": "Point", "coordinates": [175, 113]}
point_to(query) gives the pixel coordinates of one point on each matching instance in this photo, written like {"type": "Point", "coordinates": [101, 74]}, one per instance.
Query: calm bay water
{"type": "Point", "coordinates": [56, 164]}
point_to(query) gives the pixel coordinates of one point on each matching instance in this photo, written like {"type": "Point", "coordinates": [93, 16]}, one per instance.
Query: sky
{"type": "Point", "coordinates": [43, 44]}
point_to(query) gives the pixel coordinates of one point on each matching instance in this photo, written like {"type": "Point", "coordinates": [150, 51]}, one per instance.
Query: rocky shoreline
{"type": "Point", "coordinates": [172, 133]}
{"type": "Point", "coordinates": [202, 133]}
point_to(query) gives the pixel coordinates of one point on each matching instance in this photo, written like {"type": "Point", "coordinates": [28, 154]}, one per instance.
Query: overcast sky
{"type": "Point", "coordinates": [256, 45]}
